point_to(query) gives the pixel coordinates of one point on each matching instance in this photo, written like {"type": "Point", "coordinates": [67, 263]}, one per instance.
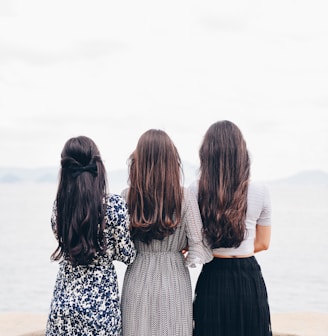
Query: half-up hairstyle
{"type": "Point", "coordinates": [155, 194]}
{"type": "Point", "coordinates": [79, 208]}
{"type": "Point", "coordinates": [223, 184]}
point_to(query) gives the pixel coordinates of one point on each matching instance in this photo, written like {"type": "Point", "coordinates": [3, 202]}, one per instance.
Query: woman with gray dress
{"type": "Point", "coordinates": [164, 221]}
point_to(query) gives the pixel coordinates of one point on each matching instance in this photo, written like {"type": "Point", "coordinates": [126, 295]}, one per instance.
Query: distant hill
{"type": "Point", "coordinates": [118, 178]}
{"type": "Point", "coordinates": [40, 175]}
{"type": "Point", "coordinates": [43, 175]}
{"type": "Point", "coordinates": [307, 177]}
{"type": "Point", "coordinates": [50, 175]}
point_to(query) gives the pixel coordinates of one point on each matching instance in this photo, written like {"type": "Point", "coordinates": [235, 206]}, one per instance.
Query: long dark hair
{"type": "Point", "coordinates": [79, 206]}
{"type": "Point", "coordinates": [223, 184]}
{"type": "Point", "coordinates": [155, 193]}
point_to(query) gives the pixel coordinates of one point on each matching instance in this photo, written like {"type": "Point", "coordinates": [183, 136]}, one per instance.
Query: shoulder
{"type": "Point", "coordinates": [259, 203]}
{"type": "Point", "coordinates": [189, 199]}
{"type": "Point", "coordinates": [258, 189]}
{"type": "Point", "coordinates": [193, 187]}
{"type": "Point", "coordinates": [115, 204]}
{"type": "Point", "coordinates": [187, 194]}
{"type": "Point", "coordinates": [124, 193]}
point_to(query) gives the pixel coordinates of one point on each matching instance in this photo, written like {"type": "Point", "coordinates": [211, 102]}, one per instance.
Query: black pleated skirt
{"type": "Point", "coordinates": [231, 299]}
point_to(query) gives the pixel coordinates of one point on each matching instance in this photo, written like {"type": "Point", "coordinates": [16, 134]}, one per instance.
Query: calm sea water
{"type": "Point", "coordinates": [295, 267]}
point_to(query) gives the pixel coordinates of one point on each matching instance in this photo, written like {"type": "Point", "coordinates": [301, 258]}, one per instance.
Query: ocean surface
{"type": "Point", "coordinates": [295, 267]}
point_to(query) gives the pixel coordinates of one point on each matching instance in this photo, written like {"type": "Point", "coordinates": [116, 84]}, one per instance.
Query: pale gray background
{"type": "Point", "coordinates": [113, 69]}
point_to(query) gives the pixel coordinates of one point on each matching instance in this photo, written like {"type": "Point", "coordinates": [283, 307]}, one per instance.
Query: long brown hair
{"type": "Point", "coordinates": [155, 194]}
{"type": "Point", "coordinates": [79, 207]}
{"type": "Point", "coordinates": [223, 184]}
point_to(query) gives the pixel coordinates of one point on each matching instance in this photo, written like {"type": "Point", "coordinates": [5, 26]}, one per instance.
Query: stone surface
{"type": "Point", "coordinates": [283, 324]}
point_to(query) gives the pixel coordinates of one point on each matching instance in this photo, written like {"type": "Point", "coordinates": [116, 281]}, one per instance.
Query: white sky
{"type": "Point", "coordinates": [113, 69]}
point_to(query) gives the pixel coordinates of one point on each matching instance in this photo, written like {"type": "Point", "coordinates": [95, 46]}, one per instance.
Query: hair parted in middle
{"type": "Point", "coordinates": [155, 194]}
{"type": "Point", "coordinates": [223, 184]}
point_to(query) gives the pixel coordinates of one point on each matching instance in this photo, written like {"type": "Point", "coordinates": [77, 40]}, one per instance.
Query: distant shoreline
{"type": "Point", "coordinates": [283, 324]}
{"type": "Point", "coordinates": [16, 175]}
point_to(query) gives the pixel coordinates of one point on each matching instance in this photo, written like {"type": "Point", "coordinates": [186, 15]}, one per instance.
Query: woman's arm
{"type": "Point", "coordinates": [119, 238]}
{"type": "Point", "coordinates": [198, 251]}
{"type": "Point", "coordinates": [263, 226]}
{"type": "Point", "coordinates": [262, 238]}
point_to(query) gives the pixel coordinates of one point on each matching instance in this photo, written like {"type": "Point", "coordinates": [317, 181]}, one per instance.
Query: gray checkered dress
{"type": "Point", "coordinates": [157, 292]}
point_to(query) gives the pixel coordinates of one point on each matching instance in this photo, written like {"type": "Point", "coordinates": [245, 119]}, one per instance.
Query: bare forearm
{"type": "Point", "coordinates": [262, 239]}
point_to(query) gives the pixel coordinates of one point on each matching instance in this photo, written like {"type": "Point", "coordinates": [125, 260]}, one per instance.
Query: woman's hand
{"type": "Point", "coordinates": [184, 251]}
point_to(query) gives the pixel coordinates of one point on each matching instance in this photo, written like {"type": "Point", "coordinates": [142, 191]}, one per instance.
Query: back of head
{"type": "Point", "coordinates": [224, 177]}
{"type": "Point", "coordinates": [79, 202]}
{"type": "Point", "coordinates": [155, 194]}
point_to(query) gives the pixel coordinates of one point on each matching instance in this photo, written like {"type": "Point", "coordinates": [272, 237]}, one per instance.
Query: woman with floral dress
{"type": "Point", "coordinates": [92, 230]}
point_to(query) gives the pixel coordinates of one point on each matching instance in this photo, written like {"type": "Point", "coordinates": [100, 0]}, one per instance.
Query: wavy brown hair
{"type": "Point", "coordinates": [80, 213]}
{"type": "Point", "coordinates": [155, 194]}
{"type": "Point", "coordinates": [223, 184]}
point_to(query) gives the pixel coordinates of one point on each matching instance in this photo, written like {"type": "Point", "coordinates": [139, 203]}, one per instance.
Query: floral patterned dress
{"type": "Point", "coordinates": [86, 298]}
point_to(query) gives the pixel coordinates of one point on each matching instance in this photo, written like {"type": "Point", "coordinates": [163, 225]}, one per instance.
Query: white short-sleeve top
{"type": "Point", "coordinates": [258, 213]}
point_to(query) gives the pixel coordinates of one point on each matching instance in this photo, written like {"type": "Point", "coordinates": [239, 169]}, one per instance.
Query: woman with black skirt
{"type": "Point", "coordinates": [230, 295]}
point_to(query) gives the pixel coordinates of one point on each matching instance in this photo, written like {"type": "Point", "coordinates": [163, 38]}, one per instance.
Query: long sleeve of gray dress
{"type": "Point", "coordinates": [198, 251]}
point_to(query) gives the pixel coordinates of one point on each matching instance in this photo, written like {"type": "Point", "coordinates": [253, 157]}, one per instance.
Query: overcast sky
{"type": "Point", "coordinates": [113, 69]}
